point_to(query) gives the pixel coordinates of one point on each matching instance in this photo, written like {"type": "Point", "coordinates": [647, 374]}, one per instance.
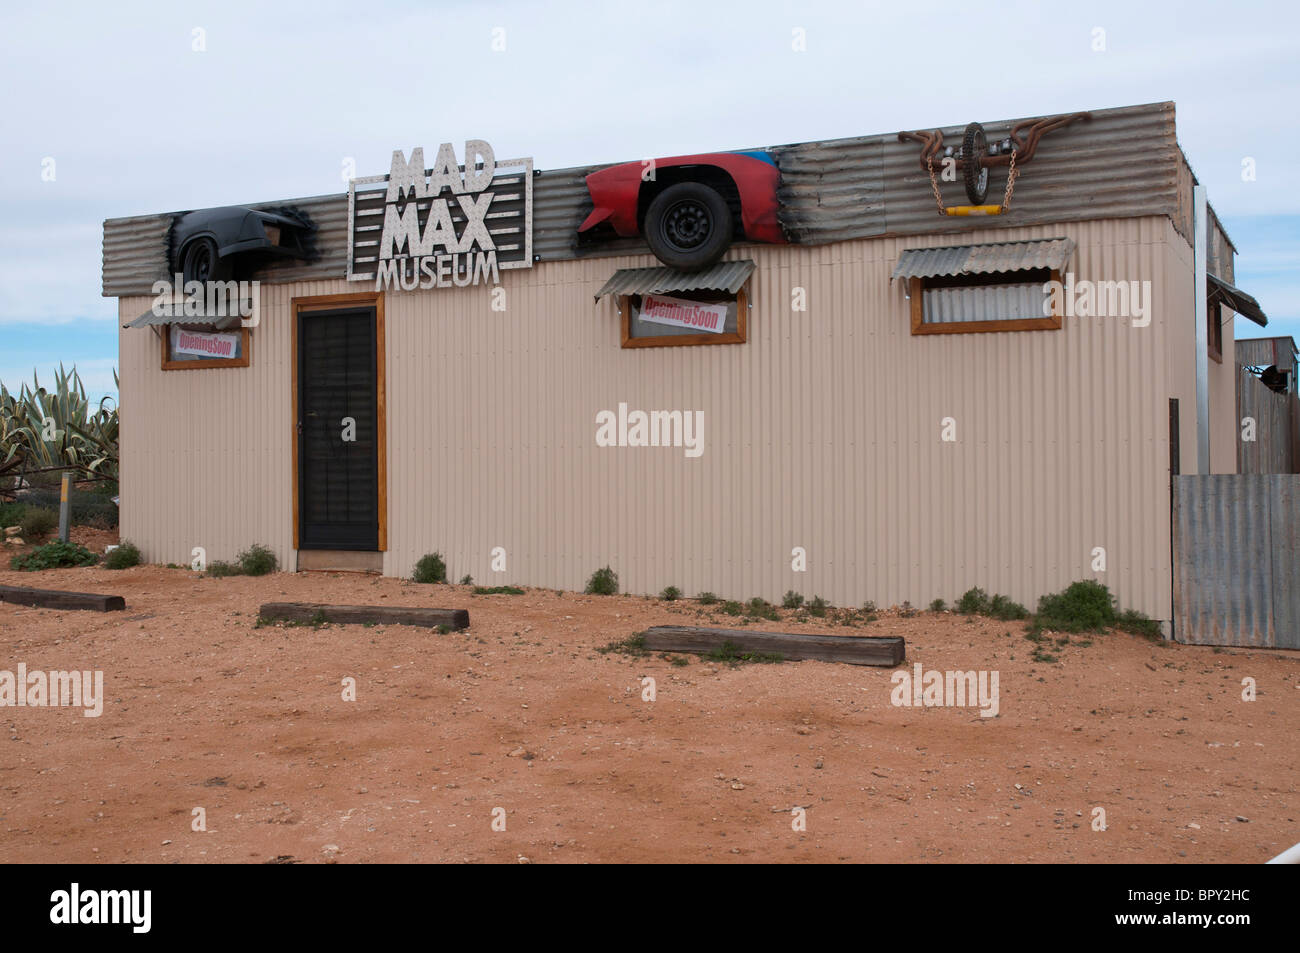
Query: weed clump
{"type": "Point", "coordinates": [603, 582]}
{"type": "Point", "coordinates": [124, 557]}
{"type": "Point", "coordinates": [431, 568]}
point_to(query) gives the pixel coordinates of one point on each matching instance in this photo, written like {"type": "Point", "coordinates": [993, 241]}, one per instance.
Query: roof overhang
{"type": "Point", "coordinates": [724, 276]}
{"type": "Point", "coordinates": [988, 259]}
{"type": "Point", "coordinates": [177, 315]}
{"type": "Point", "coordinates": [1221, 292]}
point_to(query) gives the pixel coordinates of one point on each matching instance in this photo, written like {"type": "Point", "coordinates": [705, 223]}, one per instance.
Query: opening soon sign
{"type": "Point", "coordinates": [456, 223]}
{"type": "Point", "coordinates": [680, 313]}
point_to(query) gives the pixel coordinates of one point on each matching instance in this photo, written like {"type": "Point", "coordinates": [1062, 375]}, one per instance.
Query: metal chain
{"type": "Point", "coordinates": [934, 185]}
{"type": "Point", "coordinates": [1011, 182]}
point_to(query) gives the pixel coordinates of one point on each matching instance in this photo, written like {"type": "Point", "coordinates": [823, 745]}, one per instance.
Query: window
{"type": "Point", "coordinates": [684, 318]}
{"type": "Point", "coordinates": [1003, 301]}
{"type": "Point", "coordinates": [191, 347]}
{"type": "Point", "coordinates": [1214, 330]}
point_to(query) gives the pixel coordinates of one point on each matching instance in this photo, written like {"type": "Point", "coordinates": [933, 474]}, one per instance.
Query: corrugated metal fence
{"type": "Point", "coordinates": [1236, 568]}
{"type": "Point", "coordinates": [1272, 447]}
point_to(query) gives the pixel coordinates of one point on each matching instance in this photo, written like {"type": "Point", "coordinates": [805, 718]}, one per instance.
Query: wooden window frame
{"type": "Point", "coordinates": [1214, 329]}
{"type": "Point", "coordinates": [739, 336]}
{"type": "Point", "coordinates": [245, 351]}
{"type": "Point", "coordinates": [920, 326]}
{"type": "Point", "coordinates": [329, 303]}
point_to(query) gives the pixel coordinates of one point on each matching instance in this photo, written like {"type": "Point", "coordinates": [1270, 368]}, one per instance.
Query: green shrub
{"type": "Point", "coordinates": [603, 582]}
{"type": "Point", "coordinates": [633, 645]}
{"type": "Point", "coordinates": [55, 555]}
{"type": "Point", "coordinates": [792, 600]}
{"type": "Point", "coordinates": [973, 601]}
{"type": "Point", "coordinates": [11, 514]}
{"type": "Point", "coordinates": [124, 557]}
{"type": "Point", "coordinates": [938, 605]}
{"type": "Point", "coordinates": [1088, 606]}
{"type": "Point", "coordinates": [868, 607]}
{"type": "Point", "coordinates": [38, 522]}
{"type": "Point", "coordinates": [1084, 606]}
{"type": "Point", "coordinates": [498, 591]}
{"type": "Point", "coordinates": [1000, 607]}
{"type": "Point", "coordinates": [670, 594]}
{"type": "Point", "coordinates": [760, 608]}
{"type": "Point", "coordinates": [1134, 622]}
{"type": "Point", "coordinates": [818, 606]}
{"type": "Point", "coordinates": [221, 568]}
{"type": "Point", "coordinates": [731, 607]}
{"type": "Point", "coordinates": [467, 580]}
{"type": "Point", "coordinates": [707, 599]}
{"type": "Point", "coordinates": [257, 560]}
{"type": "Point", "coordinates": [430, 569]}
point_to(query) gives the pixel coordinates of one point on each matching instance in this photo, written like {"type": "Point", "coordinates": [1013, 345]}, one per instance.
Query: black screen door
{"type": "Point", "coordinates": [338, 469]}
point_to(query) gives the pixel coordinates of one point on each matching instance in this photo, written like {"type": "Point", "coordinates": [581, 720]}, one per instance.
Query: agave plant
{"type": "Point", "coordinates": [58, 429]}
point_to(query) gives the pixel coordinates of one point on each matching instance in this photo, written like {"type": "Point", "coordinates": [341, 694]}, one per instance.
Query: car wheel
{"type": "Point", "coordinates": [201, 263]}
{"type": "Point", "coordinates": [974, 173]}
{"type": "Point", "coordinates": [688, 226]}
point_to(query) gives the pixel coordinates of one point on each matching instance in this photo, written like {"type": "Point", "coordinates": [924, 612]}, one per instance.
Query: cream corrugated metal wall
{"type": "Point", "coordinates": [823, 432]}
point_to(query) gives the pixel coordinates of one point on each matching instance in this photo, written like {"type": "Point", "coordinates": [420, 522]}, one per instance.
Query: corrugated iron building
{"type": "Point", "coordinates": [824, 431]}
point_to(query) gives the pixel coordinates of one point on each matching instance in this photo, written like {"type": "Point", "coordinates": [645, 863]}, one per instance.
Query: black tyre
{"type": "Point", "coordinates": [688, 226]}
{"type": "Point", "coordinates": [974, 173]}
{"type": "Point", "coordinates": [199, 262]}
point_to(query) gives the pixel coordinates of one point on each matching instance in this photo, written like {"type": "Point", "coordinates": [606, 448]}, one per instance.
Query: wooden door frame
{"type": "Point", "coordinates": [374, 300]}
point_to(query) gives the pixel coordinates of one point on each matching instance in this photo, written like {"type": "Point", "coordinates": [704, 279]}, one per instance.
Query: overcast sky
{"type": "Point", "coordinates": [142, 108]}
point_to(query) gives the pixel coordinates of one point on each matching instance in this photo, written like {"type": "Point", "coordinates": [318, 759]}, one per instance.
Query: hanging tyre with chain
{"type": "Point", "coordinates": [975, 174]}
{"type": "Point", "coordinates": [688, 226]}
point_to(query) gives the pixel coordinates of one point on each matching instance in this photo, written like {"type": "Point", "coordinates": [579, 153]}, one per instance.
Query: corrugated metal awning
{"type": "Point", "coordinates": [724, 276]}
{"type": "Point", "coordinates": [150, 319]}
{"type": "Point", "coordinates": [1236, 299]}
{"type": "Point", "coordinates": [984, 259]}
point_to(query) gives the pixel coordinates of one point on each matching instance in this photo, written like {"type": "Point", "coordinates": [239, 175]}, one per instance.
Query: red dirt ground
{"type": "Point", "coordinates": [521, 712]}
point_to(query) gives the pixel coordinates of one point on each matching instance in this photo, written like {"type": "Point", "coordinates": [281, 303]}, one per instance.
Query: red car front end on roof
{"type": "Point", "coordinates": [683, 205]}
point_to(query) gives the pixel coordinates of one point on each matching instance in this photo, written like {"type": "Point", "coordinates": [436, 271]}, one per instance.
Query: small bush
{"type": "Point", "coordinates": [55, 555]}
{"type": "Point", "coordinates": [868, 607]}
{"type": "Point", "coordinates": [762, 609]}
{"type": "Point", "coordinates": [603, 582]}
{"type": "Point", "coordinates": [1000, 607]}
{"type": "Point", "coordinates": [731, 607]}
{"type": "Point", "coordinates": [938, 605]}
{"type": "Point", "coordinates": [1134, 622]}
{"type": "Point", "coordinates": [818, 606]}
{"type": "Point", "coordinates": [430, 569]}
{"type": "Point", "coordinates": [11, 514]}
{"type": "Point", "coordinates": [973, 602]}
{"type": "Point", "coordinates": [221, 568]}
{"type": "Point", "coordinates": [38, 522]}
{"type": "Point", "coordinates": [670, 594]}
{"type": "Point", "coordinates": [124, 557]}
{"type": "Point", "coordinates": [257, 560]}
{"type": "Point", "coordinates": [498, 591]}
{"type": "Point", "coordinates": [633, 645]}
{"type": "Point", "coordinates": [792, 600]}
{"type": "Point", "coordinates": [467, 580]}
{"type": "Point", "coordinates": [1084, 606]}
{"type": "Point", "coordinates": [906, 610]}
{"type": "Point", "coordinates": [707, 599]}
